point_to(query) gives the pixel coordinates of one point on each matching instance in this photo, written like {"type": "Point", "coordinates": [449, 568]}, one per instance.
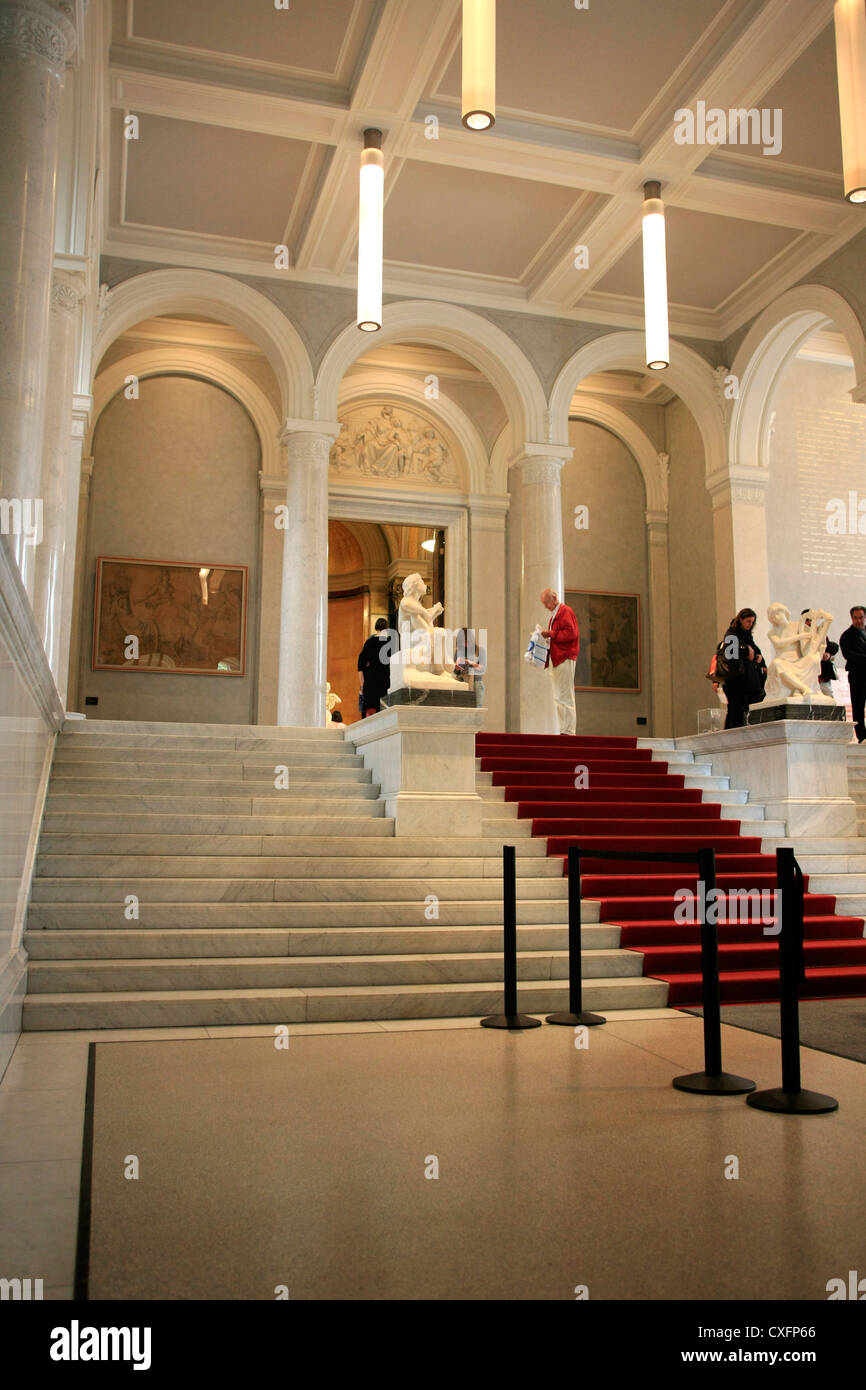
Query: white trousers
{"type": "Point", "coordinates": [563, 693]}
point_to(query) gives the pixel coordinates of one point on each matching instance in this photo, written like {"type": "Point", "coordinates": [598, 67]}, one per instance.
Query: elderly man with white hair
{"type": "Point", "coordinates": [564, 638]}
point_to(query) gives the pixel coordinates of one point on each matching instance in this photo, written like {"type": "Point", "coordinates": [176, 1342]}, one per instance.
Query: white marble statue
{"type": "Point", "coordinates": [792, 675]}
{"type": "Point", "coordinates": [425, 660]}
{"type": "Point", "coordinates": [331, 702]}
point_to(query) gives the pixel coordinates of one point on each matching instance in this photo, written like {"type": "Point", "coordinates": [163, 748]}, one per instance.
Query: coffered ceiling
{"type": "Point", "coordinates": [250, 122]}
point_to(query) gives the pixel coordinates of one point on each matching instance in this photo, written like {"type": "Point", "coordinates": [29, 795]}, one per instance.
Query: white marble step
{"type": "Point", "coordinates": [254, 885]}
{"type": "Point", "coordinates": [134, 943]}
{"type": "Point", "coordinates": [222, 791]}
{"type": "Point", "coordinates": [505, 827]}
{"type": "Point", "coordinates": [215, 1008]}
{"type": "Point", "coordinates": [323, 818]}
{"type": "Point", "coordinates": [843, 844]}
{"type": "Point", "coordinates": [353, 844]}
{"type": "Point", "coordinates": [479, 911]}
{"type": "Point", "coordinates": [833, 863]}
{"type": "Point", "coordinates": [836, 883]}
{"type": "Point", "coordinates": [369, 870]}
{"type": "Point", "coordinates": [849, 905]}
{"type": "Point", "coordinates": [252, 742]}
{"type": "Point", "coordinates": [313, 756]}
{"type": "Point", "coordinates": [316, 972]}
{"type": "Point", "coordinates": [80, 729]}
{"type": "Point", "coordinates": [305, 774]}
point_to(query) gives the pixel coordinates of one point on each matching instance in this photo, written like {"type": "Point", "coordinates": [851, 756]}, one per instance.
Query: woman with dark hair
{"type": "Point", "coordinates": [747, 671]}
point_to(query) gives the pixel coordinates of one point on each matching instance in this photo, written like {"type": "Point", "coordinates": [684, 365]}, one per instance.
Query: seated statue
{"type": "Point", "coordinates": [425, 660]}
{"type": "Point", "coordinates": [792, 675]}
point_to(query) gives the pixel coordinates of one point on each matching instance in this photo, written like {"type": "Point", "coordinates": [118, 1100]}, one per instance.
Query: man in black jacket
{"type": "Point", "coordinates": [853, 644]}
{"type": "Point", "coordinates": [374, 672]}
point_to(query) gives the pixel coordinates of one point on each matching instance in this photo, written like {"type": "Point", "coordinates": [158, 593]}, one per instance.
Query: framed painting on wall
{"type": "Point", "coordinates": [609, 625]}
{"type": "Point", "coordinates": [170, 616]}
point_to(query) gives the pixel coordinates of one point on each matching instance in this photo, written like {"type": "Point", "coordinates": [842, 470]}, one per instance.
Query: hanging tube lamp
{"type": "Point", "coordinates": [849, 17]}
{"type": "Point", "coordinates": [370, 214]}
{"type": "Point", "coordinates": [479, 64]}
{"type": "Point", "coordinates": [655, 279]}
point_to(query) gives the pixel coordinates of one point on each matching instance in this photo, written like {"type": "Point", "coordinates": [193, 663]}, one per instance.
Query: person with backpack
{"type": "Point", "coordinates": [741, 668]}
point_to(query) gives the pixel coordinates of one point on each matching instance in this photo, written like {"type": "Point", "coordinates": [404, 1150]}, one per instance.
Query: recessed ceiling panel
{"type": "Point", "coordinates": [462, 219]}
{"type": "Point", "coordinates": [708, 257]}
{"type": "Point", "coordinates": [308, 35]}
{"type": "Point", "coordinates": [597, 67]}
{"type": "Point", "coordinates": [808, 98]}
{"type": "Point", "coordinates": [210, 179]}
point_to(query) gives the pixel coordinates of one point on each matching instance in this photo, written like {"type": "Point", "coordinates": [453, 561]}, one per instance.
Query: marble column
{"type": "Point", "coordinates": [538, 468]}
{"type": "Point", "coordinates": [273, 492]}
{"type": "Point", "coordinates": [661, 668]}
{"type": "Point", "coordinates": [740, 537]}
{"type": "Point", "coordinates": [67, 292]}
{"type": "Point", "coordinates": [73, 697]}
{"type": "Point", "coordinates": [515, 643]}
{"type": "Point", "coordinates": [36, 39]}
{"type": "Point", "coordinates": [75, 535]}
{"type": "Point", "coordinates": [304, 609]}
{"type": "Point", "coordinates": [487, 571]}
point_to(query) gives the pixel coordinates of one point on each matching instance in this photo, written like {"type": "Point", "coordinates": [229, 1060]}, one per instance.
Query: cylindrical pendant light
{"type": "Point", "coordinates": [655, 279]}
{"type": "Point", "coordinates": [850, 21]}
{"type": "Point", "coordinates": [371, 204]}
{"type": "Point", "coordinates": [479, 64]}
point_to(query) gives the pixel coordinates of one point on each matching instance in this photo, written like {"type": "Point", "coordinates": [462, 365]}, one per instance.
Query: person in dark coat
{"type": "Point", "coordinates": [853, 644]}
{"type": "Point", "coordinates": [747, 669]}
{"type": "Point", "coordinates": [375, 673]}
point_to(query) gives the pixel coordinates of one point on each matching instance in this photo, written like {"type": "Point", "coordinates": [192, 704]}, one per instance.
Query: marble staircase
{"type": "Point", "coordinates": [857, 782]}
{"type": "Point", "coordinates": [177, 884]}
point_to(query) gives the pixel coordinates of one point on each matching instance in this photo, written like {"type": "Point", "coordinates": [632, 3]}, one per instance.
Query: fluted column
{"type": "Point", "coordinates": [304, 609]}
{"type": "Point", "coordinates": [36, 39]}
{"type": "Point", "coordinates": [58, 498]}
{"type": "Point", "coordinates": [661, 672]}
{"type": "Point", "coordinates": [538, 468]}
{"type": "Point", "coordinates": [740, 534]}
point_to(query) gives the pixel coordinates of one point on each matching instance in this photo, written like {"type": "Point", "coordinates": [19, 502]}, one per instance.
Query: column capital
{"type": "Point", "coordinates": [37, 28]}
{"type": "Point", "coordinates": [272, 486]}
{"type": "Point", "coordinates": [488, 511]}
{"type": "Point", "coordinates": [531, 452]}
{"type": "Point", "coordinates": [738, 484]}
{"type": "Point", "coordinates": [68, 287]}
{"type": "Point", "coordinates": [657, 527]}
{"type": "Point", "coordinates": [327, 429]}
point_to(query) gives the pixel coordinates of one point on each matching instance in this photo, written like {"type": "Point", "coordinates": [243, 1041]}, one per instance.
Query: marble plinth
{"type": "Point", "coordinates": [423, 758]}
{"type": "Point", "coordinates": [444, 699]}
{"type": "Point", "coordinates": [765, 714]}
{"type": "Point", "coordinates": [797, 768]}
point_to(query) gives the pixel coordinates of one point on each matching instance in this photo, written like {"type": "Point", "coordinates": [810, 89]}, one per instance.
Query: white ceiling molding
{"type": "Point", "coordinates": [773, 339]}
{"type": "Point", "coordinates": [445, 326]}
{"type": "Point", "coordinates": [689, 375]}
{"type": "Point", "coordinates": [221, 297]}
{"type": "Point", "coordinates": [185, 361]}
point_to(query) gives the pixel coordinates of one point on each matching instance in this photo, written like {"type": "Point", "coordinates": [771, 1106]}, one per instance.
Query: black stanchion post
{"type": "Point", "coordinates": [575, 1013]}
{"type": "Point", "coordinates": [510, 1018]}
{"type": "Point", "coordinates": [790, 1098]}
{"type": "Point", "coordinates": [712, 1080]}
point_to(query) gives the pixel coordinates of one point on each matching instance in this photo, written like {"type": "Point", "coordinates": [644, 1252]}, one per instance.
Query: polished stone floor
{"type": "Point", "coordinates": [610, 1178]}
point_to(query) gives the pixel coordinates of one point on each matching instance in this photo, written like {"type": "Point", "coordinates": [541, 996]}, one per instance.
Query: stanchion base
{"type": "Point", "coordinates": [576, 1020]}
{"type": "Point", "coordinates": [511, 1021]}
{"type": "Point", "coordinates": [793, 1102]}
{"type": "Point", "coordinates": [723, 1084]}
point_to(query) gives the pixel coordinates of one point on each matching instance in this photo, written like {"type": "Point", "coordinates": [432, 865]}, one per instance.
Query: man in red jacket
{"type": "Point", "coordinates": [564, 641]}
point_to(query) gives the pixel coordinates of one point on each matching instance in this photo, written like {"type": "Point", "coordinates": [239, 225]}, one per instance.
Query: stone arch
{"type": "Point", "coordinates": [689, 375]}
{"type": "Point", "coordinates": [773, 338]}
{"type": "Point", "coordinates": [457, 329]}
{"type": "Point", "coordinates": [216, 296]}
{"type": "Point", "coordinates": [400, 386]}
{"type": "Point", "coordinates": [639, 444]}
{"type": "Point", "coordinates": [184, 361]}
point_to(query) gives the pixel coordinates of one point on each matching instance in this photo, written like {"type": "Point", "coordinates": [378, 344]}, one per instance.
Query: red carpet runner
{"type": "Point", "coordinates": [624, 800]}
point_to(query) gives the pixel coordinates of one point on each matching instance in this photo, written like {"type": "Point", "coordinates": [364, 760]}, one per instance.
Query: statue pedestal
{"type": "Point", "coordinates": [796, 766]}
{"type": "Point", "coordinates": [423, 757]}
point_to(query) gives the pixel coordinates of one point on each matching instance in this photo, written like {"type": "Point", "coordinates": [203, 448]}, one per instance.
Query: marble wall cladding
{"type": "Point", "coordinates": [609, 556]}
{"type": "Point", "coordinates": [175, 477]}
{"type": "Point", "coordinates": [692, 570]}
{"type": "Point", "coordinates": [817, 456]}
{"type": "Point", "coordinates": [25, 741]}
